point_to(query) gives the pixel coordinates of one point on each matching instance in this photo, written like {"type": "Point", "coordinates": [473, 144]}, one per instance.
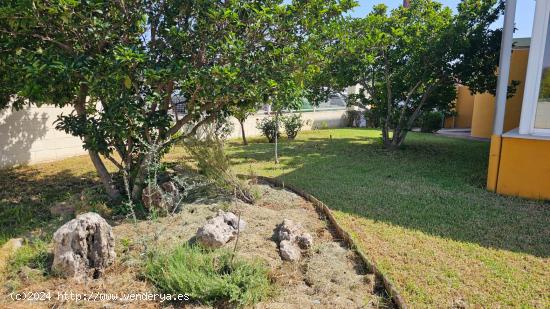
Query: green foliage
{"type": "Point", "coordinates": [353, 118]}
{"type": "Point", "coordinates": [212, 161]}
{"type": "Point", "coordinates": [210, 55]}
{"type": "Point", "coordinates": [31, 262]}
{"type": "Point", "coordinates": [545, 85]}
{"type": "Point", "coordinates": [431, 122]}
{"type": "Point", "coordinates": [408, 60]}
{"type": "Point", "coordinates": [292, 123]}
{"type": "Point", "coordinates": [34, 255]}
{"type": "Point", "coordinates": [270, 128]}
{"type": "Point", "coordinates": [372, 118]}
{"type": "Point", "coordinates": [209, 276]}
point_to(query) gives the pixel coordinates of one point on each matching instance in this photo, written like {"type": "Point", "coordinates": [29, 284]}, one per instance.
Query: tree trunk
{"type": "Point", "coordinates": [276, 137]}
{"type": "Point", "coordinates": [241, 122]}
{"type": "Point", "coordinates": [138, 182]}
{"type": "Point", "coordinates": [104, 176]}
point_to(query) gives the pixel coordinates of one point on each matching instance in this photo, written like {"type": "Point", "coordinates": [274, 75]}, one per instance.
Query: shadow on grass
{"type": "Point", "coordinates": [434, 185]}
{"type": "Point", "coordinates": [27, 196]}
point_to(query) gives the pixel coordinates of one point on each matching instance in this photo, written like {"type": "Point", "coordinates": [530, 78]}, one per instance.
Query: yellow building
{"type": "Point", "coordinates": [477, 112]}
{"type": "Point", "coordinates": [519, 161]}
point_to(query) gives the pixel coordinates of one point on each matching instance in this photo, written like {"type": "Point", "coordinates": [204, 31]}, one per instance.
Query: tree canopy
{"type": "Point", "coordinates": [126, 65]}
{"type": "Point", "coordinates": [409, 60]}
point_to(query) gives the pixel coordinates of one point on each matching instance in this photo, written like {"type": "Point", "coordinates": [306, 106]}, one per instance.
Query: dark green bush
{"type": "Point", "coordinates": [209, 276]}
{"type": "Point", "coordinates": [431, 122]}
{"type": "Point", "coordinates": [373, 119]}
{"type": "Point", "coordinates": [292, 123]}
{"type": "Point", "coordinates": [269, 128]}
{"type": "Point", "coordinates": [353, 118]}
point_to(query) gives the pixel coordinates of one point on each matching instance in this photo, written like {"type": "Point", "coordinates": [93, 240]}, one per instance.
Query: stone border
{"type": "Point", "coordinates": [325, 210]}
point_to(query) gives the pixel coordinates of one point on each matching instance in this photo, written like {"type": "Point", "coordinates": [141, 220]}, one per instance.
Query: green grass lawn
{"type": "Point", "coordinates": [421, 214]}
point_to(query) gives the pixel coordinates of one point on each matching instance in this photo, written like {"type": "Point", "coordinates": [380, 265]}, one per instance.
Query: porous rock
{"type": "Point", "coordinates": [289, 251]}
{"type": "Point", "coordinates": [84, 246]}
{"type": "Point", "coordinates": [220, 230]}
{"type": "Point", "coordinates": [160, 198]}
{"type": "Point", "coordinates": [292, 238]}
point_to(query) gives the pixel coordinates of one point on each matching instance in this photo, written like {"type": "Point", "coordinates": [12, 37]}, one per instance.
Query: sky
{"type": "Point", "coordinates": [524, 13]}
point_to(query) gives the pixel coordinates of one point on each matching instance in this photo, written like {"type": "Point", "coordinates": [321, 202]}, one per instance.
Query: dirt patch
{"type": "Point", "coordinates": [330, 276]}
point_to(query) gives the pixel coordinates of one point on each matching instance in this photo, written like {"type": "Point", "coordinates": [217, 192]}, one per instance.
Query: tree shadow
{"type": "Point", "coordinates": [434, 185]}
{"type": "Point", "coordinates": [27, 196]}
{"type": "Point", "coordinates": [18, 131]}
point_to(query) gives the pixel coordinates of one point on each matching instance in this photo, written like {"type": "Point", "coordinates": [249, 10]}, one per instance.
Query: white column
{"type": "Point", "coordinates": [504, 66]}
{"type": "Point", "coordinates": [534, 68]}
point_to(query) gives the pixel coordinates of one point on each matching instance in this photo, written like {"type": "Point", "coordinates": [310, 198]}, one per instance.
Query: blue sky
{"type": "Point", "coordinates": [524, 14]}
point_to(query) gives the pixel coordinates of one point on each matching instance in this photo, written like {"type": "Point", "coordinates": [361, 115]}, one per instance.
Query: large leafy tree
{"type": "Point", "coordinates": [126, 65]}
{"type": "Point", "coordinates": [409, 60]}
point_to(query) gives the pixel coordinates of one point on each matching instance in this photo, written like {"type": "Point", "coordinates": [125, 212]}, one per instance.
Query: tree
{"type": "Point", "coordinates": [241, 112]}
{"type": "Point", "coordinates": [120, 64]}
{"type": "Point", "coordinates": [409, 60]}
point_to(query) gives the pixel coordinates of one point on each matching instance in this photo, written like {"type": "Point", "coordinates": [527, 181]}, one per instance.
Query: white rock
{"type": "Point", "coordinates": [220, 230]}
{"type": "Point", "coordinates": [289, 251]}
{"type": "Point", "coordinates": [305, 241]}
{"type": "Point", "coordinates": [84, 246]}
{"type": "Point", "coordinates": [233, 220]}
{"type": "Point", "coordinates": [292, 238]}
{"type": "Point", "coordinates": [288, 230]}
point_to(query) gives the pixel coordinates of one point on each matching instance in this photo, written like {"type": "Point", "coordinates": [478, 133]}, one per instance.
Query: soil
{"type": "Point", "coordinates": [328, 276]}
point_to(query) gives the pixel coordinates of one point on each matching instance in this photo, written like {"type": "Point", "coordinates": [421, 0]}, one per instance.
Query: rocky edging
{"type": "Point", "coordinates": [345, 236]}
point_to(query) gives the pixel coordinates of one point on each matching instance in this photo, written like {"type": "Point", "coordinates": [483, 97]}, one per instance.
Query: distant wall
{"type": "Point", "coordinates": [29, 136]}
{"type": "Point", "coordinates": [317, 119]}
{"type": "Point", "coordinates": [464, 108]}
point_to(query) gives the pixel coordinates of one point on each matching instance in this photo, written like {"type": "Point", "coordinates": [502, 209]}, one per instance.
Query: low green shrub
{"type": "Point", "coordinates": [209, 276]}
{"type": "Point", "coordinates": [269, 128]}
{"type": "Point", "coordinates": [212, 162]}
{"type": "Point", "coordinates": [292, 123]}
{"type": "Point", "coordinates": [431, 122]}
{"type": "Point", "coordinates": [30, 263]}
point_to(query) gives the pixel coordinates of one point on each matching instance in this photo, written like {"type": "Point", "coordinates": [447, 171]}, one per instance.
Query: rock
{"type": "Point", "coordinates": [289, 251]}
{"type": "Point", "coordinates": [62, 209]}
{"type": "Point", "coordinates": [288, 230]}
{"type": "Point", "coordinates": [162, 199]}
{"type": "Point", "coordinates": [233, 220]}
{"type": "Point", "coordinates": [220, 230]}
{"type": "Point", "coordinates": [305, 241]}
{"type": "Point", "coordinates": [152, 198]}
{"type": "Point", "coordinates": [7, 250]}
{"type": "Point", "coordinates": [169, 187]}
{"type": "Point", "coordinates": [83, 247]}
{"type": "Point", "coordinates": [27, 274]}
{"type": "Point", "coordinates": [292, 238]}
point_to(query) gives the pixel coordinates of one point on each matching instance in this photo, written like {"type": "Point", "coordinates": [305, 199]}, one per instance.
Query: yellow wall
{"type": "Point", "coordinates": [480, 108]}
{"type": "Point", "coordinates": [484, 112]}
{"type": "Point", "coordinates": [464, 108]}
{"type": "Point", "coordinates": [524, 168]}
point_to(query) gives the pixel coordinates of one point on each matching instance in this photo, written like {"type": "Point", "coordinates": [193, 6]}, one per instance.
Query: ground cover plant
{"type": "Point", "coordinates": [209, 276]}
{"type": "Point", "coordinates": [424, 216]}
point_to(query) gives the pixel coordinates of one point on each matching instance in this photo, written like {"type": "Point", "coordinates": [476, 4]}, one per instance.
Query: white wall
{"type": "Point", "coordinates": [29, 136]}
{"type": "Point", "coordinates": [317, 119]}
